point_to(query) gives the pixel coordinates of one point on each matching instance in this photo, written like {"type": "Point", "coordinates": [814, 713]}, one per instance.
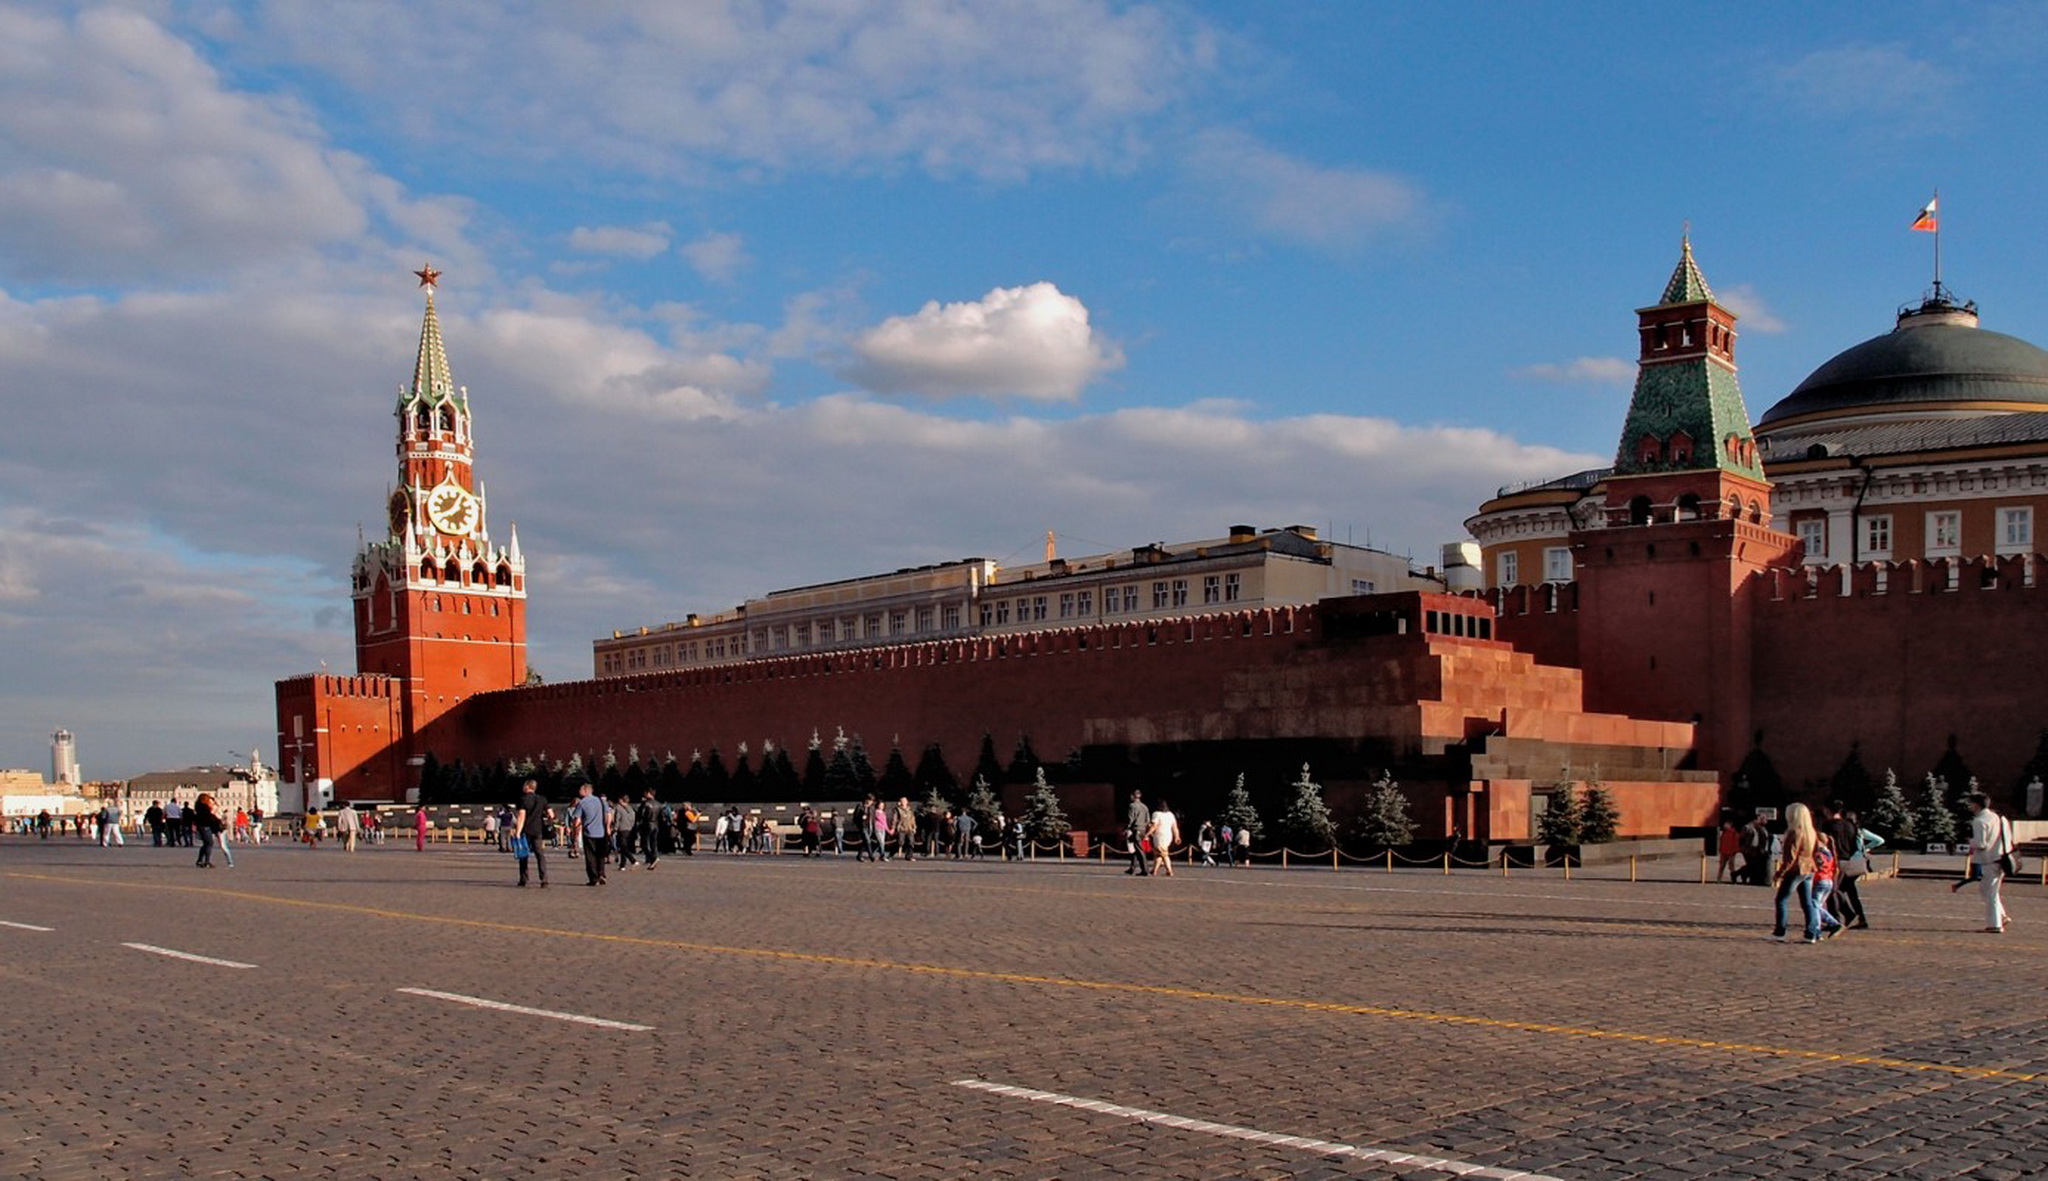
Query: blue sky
{"type": "Point", "coordinates": [753, 295]}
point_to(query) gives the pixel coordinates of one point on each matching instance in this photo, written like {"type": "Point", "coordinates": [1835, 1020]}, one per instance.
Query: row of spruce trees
{"type": "Point", "coordinates": [1932, 812]}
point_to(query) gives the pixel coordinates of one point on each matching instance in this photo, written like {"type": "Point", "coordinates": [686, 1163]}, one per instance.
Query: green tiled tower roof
{"type": "Point", "coordinates": [1687, 285]}
{"type": "Point", "coordinates": [431, 379]}
{"type": "Point", "coordinates": [1687, 386]}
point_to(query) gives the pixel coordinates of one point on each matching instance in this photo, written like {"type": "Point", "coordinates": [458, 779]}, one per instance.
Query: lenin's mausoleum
{"type": "Point", "coordinates": [1727, 604]}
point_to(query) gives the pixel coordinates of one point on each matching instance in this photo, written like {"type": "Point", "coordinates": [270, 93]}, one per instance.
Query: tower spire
{"type": "Point", "coordinates": [431, 378]}
{"type": "Point", "coordinates": [1686, 413]}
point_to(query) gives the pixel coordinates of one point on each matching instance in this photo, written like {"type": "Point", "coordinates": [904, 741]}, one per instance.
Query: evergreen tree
{"type": "Point", "coordinates": [987, 768]}
{"type": "Point", "coordinates": [1308, 817]}
{"type": "Point", "coordinates": [744, 786]}
{"type": "Point", "coordinates": [430, 784]}
{"type": "Point", "coordinates": [635, 779]}
{"type": "Point", "coordinates": [697, 780]}
{"type": "Point", "coordinates": [1851, 781]}
{"type": "Point", "coordinates": [717, 780]}
{"type": "Point", "coordinates": [934, 778]}
{"type": "Point", "coordinates": [1238, 812]}
{"type": "Point", "coordinates": [610, 784]}
{"type": "Point", "coordinates": [669, 784]}
{"type": "Point", "coordinates": [863, 771]}
{"type": "Point", "coordinates": [573, 774]}
{"type": "Point", "coordinates": [1024, 763]}
{"type": "Point", "coordinates": [1044, 821]}
{"type": "Point", "coordinates": [814, 769]}
{"type": "Point", "coordinates": [785, 777]}
{"type": "Point", "coordinates": [1757, 782]}
{"type": "Point", "coordinates": [1933, 822]}
{"type": "Point", "coordinates": [1951, 769]}
{"type": "Point", "coordinates": [841, 781]}
{"type": "Point", "coordinates": [1888, 816]}
{"type": "Point", "coordinates": [896, 781]}
{"type": "Point", "coordinates": [1385, 823]}
{"type": "Point", "coordinates": [1601, 819]}
{"type": "Point", "coordinates": [986, 809]}
{"type": "Point", "coordinates": [1563, 823]}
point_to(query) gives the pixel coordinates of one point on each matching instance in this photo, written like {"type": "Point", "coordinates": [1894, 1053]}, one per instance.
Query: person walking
{"type": "Point", "coordinates": [963, 834]}
{"type": "Point", "coordinates": [154, 818]}
{"type": "Point", "coordinates": [622, 830]}
{"type": "Point", "coordinates": [647, 822]}
{"type": "Point", "coordinates": [349, 824]}
{"type": "Point", "coordinates": [1990, 857]}
{"type": "Point", "coordinates": [588, 820]}
{"type": "Point", "coordinates": [530, 823]}
{"type": "Point", "coordinates": [206, 827]}
{"type": "Point", "coordinates": [1730, 848]}
{"type": "Point", "coordinates": [1226, 838]}
{"type": "Point", "coordinates": [1852, 861]}
{"type": "Point", "coordinates": [1756, 850]}
{"type": "Point", "coordinates": [1795, 873]}
{"type": "Point", "coordinates": [1205, 840]}
{"type": "Point", "coordinates": [878, 829]}
{"type": "Point", "coordinates": [313, 826]}
{"type": "Point", "coordinates": [1164, 827]}
{"type": "Point", "coordinates": [1243, 856]}
{"type": "Point", "coordinates": [1137, 822]}
{"type": "Point", "coordinates": [903, 825]}
{"type": "Point", "coordinates": [419, 828]}
{"type": "Point", "coordinates": [110, 825]}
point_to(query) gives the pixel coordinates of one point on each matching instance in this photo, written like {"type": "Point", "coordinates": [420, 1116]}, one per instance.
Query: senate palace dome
{"type": "Point", "coordinates": [1936, 364]}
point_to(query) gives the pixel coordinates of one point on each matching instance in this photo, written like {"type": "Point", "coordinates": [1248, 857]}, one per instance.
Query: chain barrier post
{"type": "Point", "coordinates": [1283, 857]}
{"type": "Point", "coordinates": [1703, 869]}
{"type": "Point", "coordinates": [1503, 861]}
{"type": "Point", "coordinates": [1390, 860]}
{"type": "Point", "coordinates": [1447, 863]}
{"type": "Point", "coordinates": [1631, 867]}
{"type": "Point", "coordinates": [1567, 867]}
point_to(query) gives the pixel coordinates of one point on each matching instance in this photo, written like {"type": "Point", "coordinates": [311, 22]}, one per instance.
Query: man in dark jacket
{"type": "Point", "coordinates": [1137, 822]}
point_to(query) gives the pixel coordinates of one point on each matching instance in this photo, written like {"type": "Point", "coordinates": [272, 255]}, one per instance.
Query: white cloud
{"type": "Point", "coordinates": [123, 155]}
{"type": "Point", "coordinates": [994, 91]}
{"type": "Point", "coordinates": [1602, 371]}
{"type": "Point", "coordinates": [1033, 342]}
{"type": "Point", "coordinates": [718, 257]}
{"type": "Point", "coordinates": [1749, 309]}
{"type": "Point", "coordinates": [1857, 81]}
{"type": "Point", "coordinates": [1283, 197]}
{"type": "Point", "coordinates": [635, 242]}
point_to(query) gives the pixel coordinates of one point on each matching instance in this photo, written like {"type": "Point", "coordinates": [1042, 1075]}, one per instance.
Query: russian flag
{"type": "Point", "coordinates": [1926, 220]}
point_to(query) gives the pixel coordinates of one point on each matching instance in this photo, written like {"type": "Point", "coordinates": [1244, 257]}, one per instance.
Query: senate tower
{"type": "Point", "coordinates": [440, 611]}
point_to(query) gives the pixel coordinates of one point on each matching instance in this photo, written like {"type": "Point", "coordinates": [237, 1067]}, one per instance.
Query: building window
{"type": "Point", "coordinates": [827, 630]}
{"type": "Point", "coordinates": [1361, 586]}
{"type": "Point", "coordinates": [1877, 536]}
{"type": "Point", "coordinates": [1233, 586]}
{"type": "Point", "coordinates": [803, 635]}
{"type": "Point", "coordinates": [1066, 604]}
{"type": "Point", "coordinates": [1131, 598]}
{"type": "Point", "coordinates": [1180, 592]}
{"type": "Point", "coordinates": [1510, 568]}
{"type": "Point", "coordinates": [1814, 533]}
{"type": "Point", "coordinates": [2015, 530]}
{"type": "Point", "coordinates": [1557, 564]}
{"type": "Point", "coordinates": [899, 622]}
{"type": "Point", "coordinates": [1212, 589]}
{"type": "Point", "coordinates": [1944, 534]}
{"type": "Point", "coordinates": [1002, 612]}
{"type": "Point", "coordinates": [949, 617]}
{"type": "Point", "coordinates": [1159, 596]}
{"type": "Point", "coordinates": [875, 626]}
{"type": "Point", "coordinates": [924, 619]}
{"type": "Point", "coordinates": [988, 614]}
{"type": "Point", "coordinates": [1038, 608]}
{"type": "Point", "coordinates": [1084, 604]}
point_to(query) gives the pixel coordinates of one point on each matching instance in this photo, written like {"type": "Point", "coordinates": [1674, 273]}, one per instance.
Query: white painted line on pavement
{"type": "Point", "coordinates": [503, 1007]}
{"type": "Point", "coordinates": [1386, 1156]}
{"type": "Point", "coordinates": [186, 955]}
{"type": "Point", "coordinates": [24, 926]}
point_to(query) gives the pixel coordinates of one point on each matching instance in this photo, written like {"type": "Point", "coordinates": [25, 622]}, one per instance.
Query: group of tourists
{"type": "Point", "coordinates": [1819, 864]}
{"type": "Point", "coordinates": [1151, 835]}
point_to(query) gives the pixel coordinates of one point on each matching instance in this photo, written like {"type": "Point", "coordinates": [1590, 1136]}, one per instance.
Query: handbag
{"type": "Point", "coordinates": [2011, 863]}
{"type": "Point", "coordinates": [1856, 866]}
{"type": "Point", "coordinates": [521, 848]}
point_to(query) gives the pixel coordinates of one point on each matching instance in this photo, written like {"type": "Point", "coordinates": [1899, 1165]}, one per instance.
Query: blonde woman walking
{"type": "Point", "coordinates": [1165, 829]}
{"type": "Point", "coordinates": [1795, 873]}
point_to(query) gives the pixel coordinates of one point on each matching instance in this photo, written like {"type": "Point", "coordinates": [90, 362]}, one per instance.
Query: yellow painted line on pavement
{"type": "Point", "coordinates": [1298, 1004]}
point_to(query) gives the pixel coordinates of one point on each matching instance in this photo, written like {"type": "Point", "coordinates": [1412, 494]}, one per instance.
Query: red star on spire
{"type": "Point", "coordinates": [428, 275]}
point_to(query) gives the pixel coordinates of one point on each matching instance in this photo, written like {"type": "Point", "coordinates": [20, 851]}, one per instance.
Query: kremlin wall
{"type": "Point", "coordinates": [1682, 637]}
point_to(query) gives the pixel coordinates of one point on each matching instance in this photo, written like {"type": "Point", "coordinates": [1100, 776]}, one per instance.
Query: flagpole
{"type": "Point", "coordinates": [1937, 243]}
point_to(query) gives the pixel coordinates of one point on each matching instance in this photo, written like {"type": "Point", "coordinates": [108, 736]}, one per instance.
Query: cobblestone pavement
{"type": "Point", "coordinates": [817, 1019]}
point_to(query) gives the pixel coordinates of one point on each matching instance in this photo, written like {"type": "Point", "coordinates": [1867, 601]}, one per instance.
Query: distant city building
{"type": "Point", "coordinates": [64, 759]}
{"type": "Point", "coordinates": [247, 788]}
{"type": "Point", "coordinates": [1245, 570]}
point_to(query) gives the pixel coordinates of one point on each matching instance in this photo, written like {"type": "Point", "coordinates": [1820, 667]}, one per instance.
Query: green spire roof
{"type": "Point", "coordinates": [1686, 413]}
{"type": "Point", "coordinates": [1687, 285]}
{"type": "Point", "coordinates": [430, 377]}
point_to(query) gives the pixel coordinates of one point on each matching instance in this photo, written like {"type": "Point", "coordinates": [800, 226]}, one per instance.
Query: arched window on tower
{"type": "Point", "coordinates": [448, 419]}
{"type": "Point", "coordinates": [453, 572]}
{"type": "Point", "coordinates": [1680, 448]}
{"type": "Point", "coordinates": [1650, 450]}
{"type": "Point", "coordinates": [1689, 507]}
{"type": "Point", "coordinates": [479, 575]}
{"type": "Point", "coordinates": [1756, 512]}
{"type": "Point", "coordinates": [427, 570]}
{"type": "Point", "coordinates": [504, 576]}
{"type": "Point", "coordinates": [1734, 506]}
{"type": "Point", "coordinates": [1639, 511]}
{"type": "Point", "coordinates": [422, 421]}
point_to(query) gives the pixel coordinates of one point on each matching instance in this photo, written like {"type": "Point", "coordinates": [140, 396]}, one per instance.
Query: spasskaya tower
{"type": "Point", "coordinates": [440, 611]}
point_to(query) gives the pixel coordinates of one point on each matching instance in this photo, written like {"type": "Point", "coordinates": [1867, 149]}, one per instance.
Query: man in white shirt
{"type": "Point", "coordinates": [1990, 844]}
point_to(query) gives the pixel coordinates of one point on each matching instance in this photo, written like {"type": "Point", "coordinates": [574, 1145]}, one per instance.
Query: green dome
{"type": "Point", "coordinates": [1936, 355]}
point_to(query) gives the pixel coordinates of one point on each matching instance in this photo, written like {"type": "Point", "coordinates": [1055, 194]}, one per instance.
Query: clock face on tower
{"type": "Point", "coordinates": [451, 509]}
